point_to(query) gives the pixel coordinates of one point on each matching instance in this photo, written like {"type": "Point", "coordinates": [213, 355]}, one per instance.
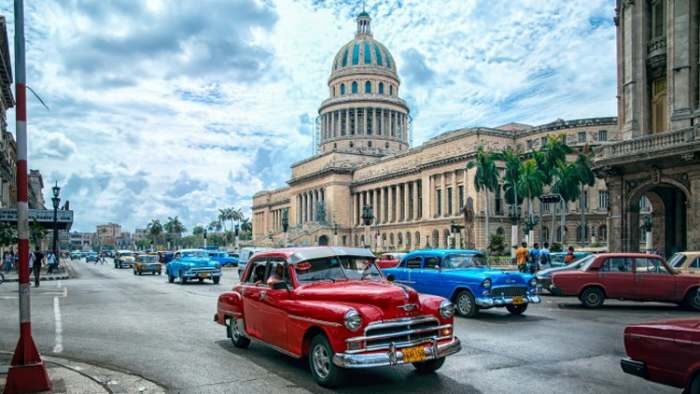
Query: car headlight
{"type": "Point", "coordinates": [447, 309]}
{"type": "Point", "coordinates": [486, 283]}
{"type": "Point", "coordinates": [353, 320]}
{"type": "Point", "coordinates": [533, 282]}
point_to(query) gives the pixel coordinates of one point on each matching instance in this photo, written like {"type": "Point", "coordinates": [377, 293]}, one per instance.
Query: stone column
{"type": "Point", "coordinates": [405, 199]}
{"type": "Point", "coordinates": [679, 56]}
{"type": "Point", "coordinates": [374, 121]}
{"type": "Point", "coordinates": [444, 194]}
{"type": "Point", "coordinates": [455, 194]}
{"type": "Point", "coordinates": [355, 127]}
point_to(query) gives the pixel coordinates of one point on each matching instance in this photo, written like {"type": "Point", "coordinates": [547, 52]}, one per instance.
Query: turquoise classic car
{"type": "Point", "coordinates": [193, 264]}
{"type": "Point", "coordinates": [464, 277]}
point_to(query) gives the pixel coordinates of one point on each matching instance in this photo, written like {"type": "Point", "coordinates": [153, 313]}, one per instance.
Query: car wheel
{"type": "Point", "coordinates": [134, 272]}
{"type": "Point", "coordinates": [216, 280]}
{"type": "Point", "coordinates": [236, 336]}
{"type": "Point", "coordinates": [516, 309]}
{"type": "Point", "coordinates": [159, 272]}
{"type": "Point", "coordinates": [171, 278]}
{"type": "Point", "coordinates": [429, 366]}
{"type": "Point", "coordinates": [201, 280]}
{"type": "Point", "coordinates": [692, 300]}
{"type": "Point", "coordinates": [465, 304]}
{"type": "Point", "coordinates": [592, 297]}
{"type": "Point", "coordinates": [183, 280]}
{"type": "Point", "coordinates": [321, 364]}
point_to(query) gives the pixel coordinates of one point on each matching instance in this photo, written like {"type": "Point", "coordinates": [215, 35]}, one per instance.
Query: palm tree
{"type": "Point", "coordinates": [531, 183]}
{"type": "Point", "coordinates": [586, 177]}
{"type": "Point", "coordinates": [512, 160]}
{"type": "Point", "coordinates": [224, 214]}
{"type": "Point", "coordinates": [566, 183]}
{"type": "Point", "coordinates": [246, 226]}
{"type": "Point", "coordinates": [215, 225]}
{"type": "Point", "coordinates": [154, 230]}
{"type": "Point", "coordinates": [174, 228]}
{"type": "Point", "coordinates": [486, 178]}
{"type": "Point", "coordinates": [552, 153]}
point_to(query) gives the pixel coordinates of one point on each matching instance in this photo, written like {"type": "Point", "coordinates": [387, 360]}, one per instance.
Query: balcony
{"type": "Point", "coordinates": [649, 144]}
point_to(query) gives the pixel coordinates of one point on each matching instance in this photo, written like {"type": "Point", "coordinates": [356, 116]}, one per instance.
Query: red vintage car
{"type": "Point", "coordinates": [665, 352]}
{"type": "Point", "coordinates": [333, 306]}
{"type": "Point", "coordinates": [389, 260]}
{"type": "Point", "coordinates": [628, 276]}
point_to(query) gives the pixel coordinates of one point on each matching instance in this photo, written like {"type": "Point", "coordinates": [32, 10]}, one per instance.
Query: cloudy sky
{"type": "Point", "coordinates": [160, 108]}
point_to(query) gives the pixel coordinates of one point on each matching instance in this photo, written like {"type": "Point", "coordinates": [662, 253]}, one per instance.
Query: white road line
{"type": "Point", "coordinates": [58, 347]}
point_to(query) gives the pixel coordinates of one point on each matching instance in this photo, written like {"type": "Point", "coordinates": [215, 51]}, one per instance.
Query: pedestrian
{"type": "Point", "coordinates": [7, 262]}
{"type": "Point", "coordinates": [569, 258]}
{"type": "Point", "coordinates": [534, 257]}
{"type": "Point", "coordinates": [51, 262]}
{"type": "Point", "coordinates": [521, 257]}
{"type": "Point", "coordinates": [37, 259]}
{"type": "Point", "coordinates": [545, 257]}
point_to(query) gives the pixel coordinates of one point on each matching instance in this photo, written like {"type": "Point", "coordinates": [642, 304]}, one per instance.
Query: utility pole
{"type": "Point", "coordinates": [27, 373]}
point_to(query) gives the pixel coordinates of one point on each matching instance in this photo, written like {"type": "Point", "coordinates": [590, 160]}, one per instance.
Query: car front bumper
{"type": "Point", "coordinates": [636, 368]}
{"type": "Point", "coordinates": [433, 350]}
{"type": "Point", "coordinates": [208, 274]}
{"type": "Point", "coordinates": [488, 301]}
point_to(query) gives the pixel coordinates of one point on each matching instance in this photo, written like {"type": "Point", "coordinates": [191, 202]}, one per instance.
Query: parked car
{"type": "Point", "coordinates": [557, 258]}
{"type": "Point", "coordinates": [90, 256]}
{"type": "Point", "coordinates": [147, 263]}
{"type": "Point", "coordinates": [76, 255]}
{"type": "Point", "coordinates": [333, 306]}
{"type": "Point", "coordinates": [389, 260]}
{"type": "Point", "coordinates": [629, 276]}
{"type": "Point", "coordinates": [124, 259]}
{"type": "Point", "coordinates": [666, 352]}
{"type": "Point", "coordinates": [223, 257]}
{"type": "Point", "coordinates": [191, 264]}
{"type": "Point", "coordinates": [464, 277]}
{"type": "Point", "coordinates": [688, 262]}
{"type": "Point", "coordinates": [544, 277]}
{"type": "Point", "coordinates": [244, 255]}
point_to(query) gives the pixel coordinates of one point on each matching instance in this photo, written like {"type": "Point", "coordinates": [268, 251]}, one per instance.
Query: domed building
{"type": "Point", "coordinates": [364, 112]}
{"type": "Point", "coordinates": [415, 195]}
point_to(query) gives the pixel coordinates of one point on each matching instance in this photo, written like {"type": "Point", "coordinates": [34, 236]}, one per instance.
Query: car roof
{"type": "Point", "coordinates": [295, 255]}
{"type": "Point", "coordinates": [442, 252]}
{"type": "Point", "coordinates": [192, 250]}
{"type": "Point", "coordinates": [628, 254]}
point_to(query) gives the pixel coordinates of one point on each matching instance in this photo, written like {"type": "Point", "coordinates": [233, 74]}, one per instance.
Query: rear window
{"type": "Point", "coordinates": [617, 264]}
{"type": "Point", "coordinates": [677, 260]}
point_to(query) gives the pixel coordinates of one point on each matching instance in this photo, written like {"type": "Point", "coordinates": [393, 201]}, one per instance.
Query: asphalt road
{"type": "Point", "coordinates": [165, 332]}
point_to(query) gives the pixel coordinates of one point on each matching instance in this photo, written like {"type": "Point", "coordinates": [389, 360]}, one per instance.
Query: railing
{"type": "Point", "coordinates": [647, 144]}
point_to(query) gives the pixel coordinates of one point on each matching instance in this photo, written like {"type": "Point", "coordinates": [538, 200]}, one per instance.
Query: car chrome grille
{"type": "Point", "coordinates": [203, 270]}
{"type": "Point", "coordinates": [401, 332]}
{"type": "Point", "coordinates": [509, 291]}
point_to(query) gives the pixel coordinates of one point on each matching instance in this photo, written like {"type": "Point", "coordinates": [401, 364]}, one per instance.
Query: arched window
{"type": "Point", "coordinates": [446, 238]}
{"type": "Point", "coordinates": [391, 90]}
{"type": "Point", "coordinates": [362, 240]}
{"type": "Point", "coordinates": [391, 239]}
{"type": "Point", "coordinates": [369, 144]}
{"type": "Point", "coordinates": [581, 233]}
{"type": "Point", "coordinates": [381, 87]}
{"type": "Point", "coordinates": [354, 87]}
{"type": "Point", "coordinates": [545, 234]}
{"type": "Point", "coordinates": [342, 89]}
{"type": "Point", "coordinates": [399, 239]}
{"type": "Point", "coordinates": [333, 91]}
{"type": "Point", "coordinates": [436, 239]}
{"type": "Point", "coordinates": [603, 233]}
{"type": "Point", "coordinates": [560, 232]}
{"type": "Point", "coordinates": [408, 240]}
{"type": "Point", "coordinates": [417, 240]}
{"type": "Point", "coordinates": [368, 87]}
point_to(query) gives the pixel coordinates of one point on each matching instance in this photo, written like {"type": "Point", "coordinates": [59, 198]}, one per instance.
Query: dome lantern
{"type": "Point", "coordinates": [363, 24]}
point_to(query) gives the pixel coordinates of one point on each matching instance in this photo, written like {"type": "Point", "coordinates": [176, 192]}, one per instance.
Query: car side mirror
{"type": "Point", "coordinates": [280, 286]}
{"type": "Point", "coordinates": [390, 277]}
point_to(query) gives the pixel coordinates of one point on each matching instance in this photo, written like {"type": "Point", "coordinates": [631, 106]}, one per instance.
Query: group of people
{"type": "Point", "coordinates": [536, 258]}
{"type": "Point", "coordinates": [9, 261]}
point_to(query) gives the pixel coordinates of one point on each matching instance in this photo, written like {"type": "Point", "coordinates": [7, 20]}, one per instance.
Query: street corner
{"type": "Point", "coordinates": [74, 377]}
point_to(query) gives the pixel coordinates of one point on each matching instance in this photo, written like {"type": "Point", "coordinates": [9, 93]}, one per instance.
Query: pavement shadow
{"type": "Point", "coordinates": [626, 307]}
{"type": "Point", "coordinates": [399, 379]}
{"type": "Point", "coordinates": [503, 317]}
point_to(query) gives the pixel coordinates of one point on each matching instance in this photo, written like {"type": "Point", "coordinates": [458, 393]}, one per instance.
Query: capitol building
{"type": "Point", "coordinates": [417, 194]}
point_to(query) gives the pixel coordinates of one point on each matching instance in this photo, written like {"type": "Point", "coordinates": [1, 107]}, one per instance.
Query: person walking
{"type": "Point", "coordinates": [534, 258]}
{"type": "Point", "coordinates": [521, 257]}
{"type": "Point", "coordinates": [51, 263]}
{"type": "Point", "coordinates": [545, 257]}
{"type": "Point", "coordinates": [7, 262]}
{"type": "Point", "coordinates": [36, 260]}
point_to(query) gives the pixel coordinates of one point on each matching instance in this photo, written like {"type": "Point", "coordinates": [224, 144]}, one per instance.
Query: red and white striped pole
{"type": "Point", "coordinates": [27, 373]}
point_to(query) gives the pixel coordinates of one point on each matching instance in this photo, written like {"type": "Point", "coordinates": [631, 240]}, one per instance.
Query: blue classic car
{"type": "Point", "coordinates": [190, 264]}
{"type": "Point", "coordinates": [464, 277]}
{"type": "Point", "coordinates": [223, 257]}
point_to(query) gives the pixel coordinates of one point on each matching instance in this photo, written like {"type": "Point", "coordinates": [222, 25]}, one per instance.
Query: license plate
{"type": "Point", "coordinates": [204, 275]}
{"type": "Point", "coordinates": [518, 300]}
{"type": "Point", "coordinates": [413, 354]}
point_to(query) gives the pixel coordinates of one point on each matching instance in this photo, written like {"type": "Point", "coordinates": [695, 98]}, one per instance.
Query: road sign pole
{"type": "Point", "coordinates": [27, 373]}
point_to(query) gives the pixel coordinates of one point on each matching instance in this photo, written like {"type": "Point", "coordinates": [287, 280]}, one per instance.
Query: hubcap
{"type": "Point", "coordinates": [464, 304]}
{"type": "Point", "coordinates": [592, 298]}
{"type": "Point", "coordinates": [234, 330]}
{"type": "Point", "coordinates": [696, 301]}
{"type": "Point", "coordinates": [321, 361]}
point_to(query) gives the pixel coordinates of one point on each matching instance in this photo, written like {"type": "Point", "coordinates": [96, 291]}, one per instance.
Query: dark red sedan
{"type": "Point", "coordinates": [666, 352]}
{"type": "Point", "coordinates": [628, 276]}
{"type": "Point", "coordinates": [389, 260]}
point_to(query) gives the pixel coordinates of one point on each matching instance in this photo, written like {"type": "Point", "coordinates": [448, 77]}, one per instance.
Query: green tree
{"type": "Point", "coordinates": [512, 159]}
{"type": "Point", "coordinates": [215, 225]}
{"type": "Point", "coordinates": [174, 228]}
{"type": "Point", "coordinates": [8, 234]}
{"type": "Point", "coordinates": [154, 230]}
{"type": "Point", "coordinates": [497, 245]}
{"type": "Point", "coordinates": [198, 230]}
{"type": "Point", "coordinates": [36, 232]}
{"type": "Point", "coordinates": [566, 183]}
{"type": "Point", "coordinates": [531, 184]}
{"type": "Point", "coordinates": [551, 155]}
{"type": "Point", "coordinates": [486, 178]}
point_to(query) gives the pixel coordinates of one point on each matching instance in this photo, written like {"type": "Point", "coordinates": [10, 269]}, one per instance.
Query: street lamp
{"type": "Point", "coordinates": [367, 217]}
{"type": "Point", "coordinates": [55, 200]}
{"type": "Point", "coordinates": [204, 233]}
{"type": "Point", "coordinates": [285, 224]}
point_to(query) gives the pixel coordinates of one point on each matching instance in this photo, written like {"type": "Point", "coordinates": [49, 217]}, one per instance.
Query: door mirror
{"type": "Point", "coordinates": [280, 286]}
{"type": "Point", "coordinates": [390, 277]}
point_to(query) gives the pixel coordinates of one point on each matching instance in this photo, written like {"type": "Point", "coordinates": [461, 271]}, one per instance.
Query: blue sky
{"type": "Point", "coordinates": [161, 108]}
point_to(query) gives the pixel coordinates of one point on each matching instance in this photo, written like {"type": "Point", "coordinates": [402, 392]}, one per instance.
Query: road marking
{"type": "Point", "coordinates": [58, 347]}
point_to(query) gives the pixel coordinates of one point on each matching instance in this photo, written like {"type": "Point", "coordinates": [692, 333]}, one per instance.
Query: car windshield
{"type": "Point", "coordinates": [584, 263]}
{"type": "Point", "coordinates": [557, 258]}
{"type": "Point", "coordinates": [149, 259]}
{"type": "Point", "coordinates": [465, 261]}
{"type": "Point", "coordinates": [337, 268]}
{"type": "Point", "coordinates": [677, 260]}
{"type": "Point", "coordinates": [193, 253]}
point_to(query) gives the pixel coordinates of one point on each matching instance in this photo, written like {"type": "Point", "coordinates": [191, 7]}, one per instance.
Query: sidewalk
{"type": "Point", "coordinates": [77, 378]}
{"type": "Point", "coordinates": [65, 271]}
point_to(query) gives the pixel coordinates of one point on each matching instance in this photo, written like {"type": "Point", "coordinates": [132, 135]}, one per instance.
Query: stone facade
{"type": "Point", "coordinates": [658, 110]}
{"type": "Point", "coordinates": [108, 234]}
{"type": "Point", "coordinates": [416, 194]}
{"type": "Point", "coordinates": [8, 147]}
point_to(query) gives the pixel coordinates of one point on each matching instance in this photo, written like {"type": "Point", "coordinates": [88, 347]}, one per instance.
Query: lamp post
{"type": "Point", "coordinates": [285, 225]}
{"type": "Point", "coordinates": [55, 200]}
{"type": "Point", "coordinates": [205, 238]}
{"type": "Point", "coordinates": [367, 217]}
{"type": "Point", "coordinates": [514, 213]}
{"type": "Point", "coordinates": [237, 239]}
